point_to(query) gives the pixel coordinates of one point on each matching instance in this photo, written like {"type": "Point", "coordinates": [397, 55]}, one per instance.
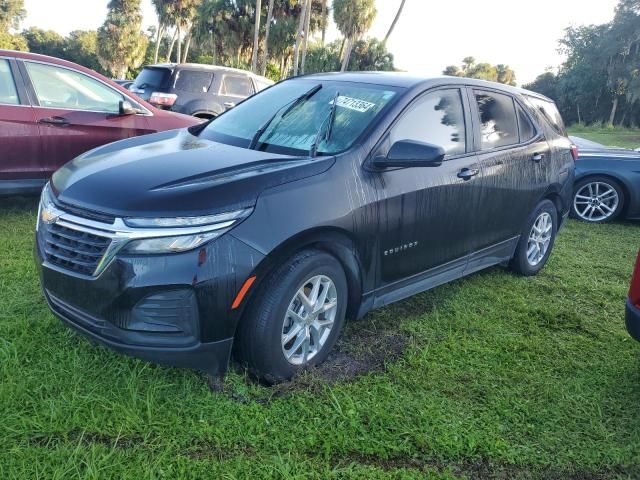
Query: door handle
{"type": "Point", "coordinates": [467, 173]}
{"type": "Point", "coordinates": [60, 121]}
{"type": "Point", "coordinates": [537, 157]}
{"type": "Point", "coordinates": [229, 104]}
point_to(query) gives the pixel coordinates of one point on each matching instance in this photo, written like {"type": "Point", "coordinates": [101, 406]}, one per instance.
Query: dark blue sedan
{"type": "Point", "coordinates": [607, 183]}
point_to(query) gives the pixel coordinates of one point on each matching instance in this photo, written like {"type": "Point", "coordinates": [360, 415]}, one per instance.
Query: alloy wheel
{"type": "Point", "coordinates": [309, 319]}
{"type": "Point", "coordinates": [596, 201]}
{"type": "Point", "coordinates": [539, 238]}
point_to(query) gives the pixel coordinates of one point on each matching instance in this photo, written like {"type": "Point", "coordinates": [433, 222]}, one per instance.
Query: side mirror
{"type": "Point", "coordinates": [409, 153]}
{"type": "Point", "coordinates": [126, 108]}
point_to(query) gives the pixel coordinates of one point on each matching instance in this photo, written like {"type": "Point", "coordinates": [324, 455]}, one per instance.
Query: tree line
{"type": "Point", "coordinates": [276, 38]}
{"type": "Point", "coordinates": [599, 83]}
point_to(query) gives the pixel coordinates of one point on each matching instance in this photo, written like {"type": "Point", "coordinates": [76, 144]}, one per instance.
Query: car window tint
{"type": "Point", "coordinates": [8, 91]}
{"type": "Point", "coordinates": [58, 87]}
{"type": "Point", "coordinates": [436, 118]}
{"type": "Point", "coordinates": [152, 78]}
{"type": "Point", "coordinates": [192, 81]}
{"type": "Point", "coordinates": [527, 131]}
{"type": "Point", "coordinates": [236, 86]}
{"type": "Point", "coordinates": [498, 124]}
{"type": "Point", "coordinates": [550, 112]}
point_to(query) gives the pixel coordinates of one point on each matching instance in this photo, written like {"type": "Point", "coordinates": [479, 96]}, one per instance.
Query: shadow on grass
{"type": "Point", "coordinates": [19, 205]}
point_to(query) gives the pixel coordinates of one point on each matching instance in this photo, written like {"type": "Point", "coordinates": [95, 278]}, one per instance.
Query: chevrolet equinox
{"type": "Point", "coordinates": [316, 200]}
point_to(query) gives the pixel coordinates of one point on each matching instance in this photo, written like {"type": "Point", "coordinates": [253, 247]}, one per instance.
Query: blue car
{"type": "Point", "coordinates": [607, 182]}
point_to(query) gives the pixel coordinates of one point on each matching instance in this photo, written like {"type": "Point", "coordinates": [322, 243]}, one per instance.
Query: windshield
{"type": "Point", "coordinates": [294, 131]}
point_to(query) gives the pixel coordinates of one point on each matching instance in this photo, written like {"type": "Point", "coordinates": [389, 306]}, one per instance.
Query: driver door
{"type": "Point", "coordinates": [429, 215]}
{"type": "Point", "coordinates": [75, 113]}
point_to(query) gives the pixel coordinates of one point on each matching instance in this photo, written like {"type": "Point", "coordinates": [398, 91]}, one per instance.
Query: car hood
{"type": "Point", "coordinates": [175, 173]}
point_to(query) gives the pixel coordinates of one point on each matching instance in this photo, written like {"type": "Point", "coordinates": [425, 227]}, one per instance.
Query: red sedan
{"type": "Point", "coordinates": [52, 110]}
{"type": "Point", "coordinates": [633, 303]}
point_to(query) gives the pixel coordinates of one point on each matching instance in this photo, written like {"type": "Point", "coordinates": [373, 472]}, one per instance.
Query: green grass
{"type": "Point", "coordinates": [502, 377]}
{"type": "Point", "coordinates": [615, 136]}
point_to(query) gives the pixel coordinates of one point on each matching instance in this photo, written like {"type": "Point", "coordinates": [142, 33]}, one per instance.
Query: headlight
{"type": "Point", "coordinates": [171, 244]}
{"type": "Point", "coordinates": [47, 211]}
{"type": "Point", "coordinates": [164, 235]}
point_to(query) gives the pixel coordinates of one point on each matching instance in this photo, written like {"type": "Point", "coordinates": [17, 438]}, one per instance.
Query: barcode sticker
{"type": "Point", "coordinates": [361, 106]}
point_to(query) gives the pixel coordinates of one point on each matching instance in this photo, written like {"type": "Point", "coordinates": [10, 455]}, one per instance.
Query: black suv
{"type": "Point", "coordinates": [204, 91]}
{"type": "Point", "coordinates": [316, 200]}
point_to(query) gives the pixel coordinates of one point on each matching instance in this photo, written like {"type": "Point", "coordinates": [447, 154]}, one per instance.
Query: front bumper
{"type": "Point", "coordinates": [171, 309]}
{"type": "Point", "coordinates": [632, 320]}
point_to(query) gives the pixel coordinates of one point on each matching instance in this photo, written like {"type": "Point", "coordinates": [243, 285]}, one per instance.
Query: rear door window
{"type": "Point", "coordinates": [152, 78]}
{"type": "Point", "coordinates": [436, 118]}
{"type": "Point", "coordinates": [236, 86]}
{"type": "Point", "coordinates": [193, 81]}
{"type": "Point", "coordinates": [550, 112]}
{"type": "Point", "coordinates": [498, 124]}
{"type": "Point", "coordinates": [8, 90]}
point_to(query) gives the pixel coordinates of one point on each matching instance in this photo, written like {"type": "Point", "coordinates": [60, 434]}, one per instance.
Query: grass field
{"type": "Point", "coordinates": [619, 137]}
{"type": "Point", "coordinates": [492, 376]}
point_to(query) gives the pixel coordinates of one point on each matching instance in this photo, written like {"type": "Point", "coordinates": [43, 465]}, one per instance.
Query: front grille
{"type": "Point", "coordinates": [74, 250]}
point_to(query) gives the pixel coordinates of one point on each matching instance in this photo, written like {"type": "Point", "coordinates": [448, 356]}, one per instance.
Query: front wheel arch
{"type": "Point", "coordinates": [332, 241]}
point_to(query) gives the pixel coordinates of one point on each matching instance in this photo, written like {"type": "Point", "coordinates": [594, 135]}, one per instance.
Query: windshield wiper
{"type": "Point", "coordinates": [288, 107]}
{"type": "Point", "coordinates": [331, 117]}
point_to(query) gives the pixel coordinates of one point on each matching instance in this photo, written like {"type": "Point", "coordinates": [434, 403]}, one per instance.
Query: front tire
{"type": "Point", "coordinates": [536, 240]}
{"type": "Point", "coordinates": [597, 200]}
{"type": "Point", "coordinates": [295, 318]}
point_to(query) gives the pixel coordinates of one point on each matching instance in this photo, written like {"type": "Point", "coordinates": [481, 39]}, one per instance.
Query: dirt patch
{"type": "Point", "coordinates": [365, 346]}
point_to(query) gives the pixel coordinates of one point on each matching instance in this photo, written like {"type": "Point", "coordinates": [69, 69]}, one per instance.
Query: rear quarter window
{"type": "Point", "coordinates": [193, 81]}
{"type": "Point", "coordinates": [550, 112]}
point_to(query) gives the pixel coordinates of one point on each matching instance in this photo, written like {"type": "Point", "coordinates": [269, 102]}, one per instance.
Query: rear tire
{"type": "Point", "coordinates": [536, 240]}
{"type": "Point", "coordinates": [597, 199]}
{"type": "Point", "coordinates": [295, 318]}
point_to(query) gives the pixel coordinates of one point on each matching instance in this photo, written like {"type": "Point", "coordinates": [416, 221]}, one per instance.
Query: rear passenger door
{"type": "Point", "coordinates": [514, 156]}
{"type": "Point", "coordinates": [234, 88]}
{"type": "Point", "coordinates": [21, 157]}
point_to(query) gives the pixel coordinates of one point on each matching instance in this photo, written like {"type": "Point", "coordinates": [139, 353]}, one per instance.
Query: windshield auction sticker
{"type": "Point", "coordinates": [355, 104]}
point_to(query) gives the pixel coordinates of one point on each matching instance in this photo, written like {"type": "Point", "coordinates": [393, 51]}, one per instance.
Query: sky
{"type": "Point", "coordinates": [429, 36]}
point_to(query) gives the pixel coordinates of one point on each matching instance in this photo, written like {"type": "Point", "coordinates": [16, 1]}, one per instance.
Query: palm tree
{"type": "Point", "coordinates": [307, 33]}
{"type": "Point", "coordinates": [325, 15]}
{"type": "Point", "coordinates": [184, 12]}
{"type": "Point", "coordinates": [353, 18]}
{"type": "Point", "coordinates": [395, 20]}
{"type": "Point", "coordinates": [296, 48]}
{"type": "Point", "coordinates": [265, 54]}
{"type": "Point", "coordinates": [256, 37]}
{"type": "Point", "coordinates": [163, 11]}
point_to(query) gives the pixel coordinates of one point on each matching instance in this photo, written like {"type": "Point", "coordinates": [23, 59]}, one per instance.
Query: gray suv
{"type": "Point", "coordinates": [204, 91]}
